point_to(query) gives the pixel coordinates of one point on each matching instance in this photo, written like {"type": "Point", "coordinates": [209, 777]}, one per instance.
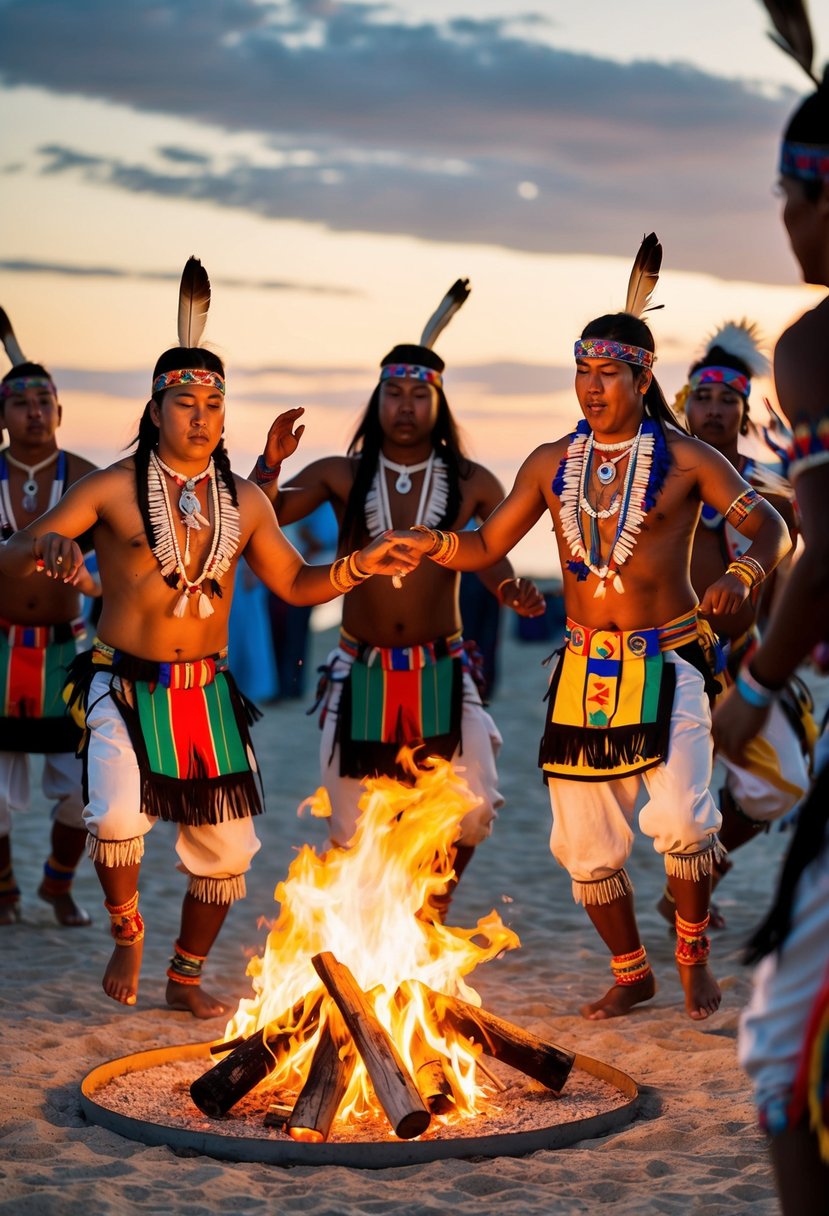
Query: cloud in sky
{"type": "Point", "coordinates": [468, 130]}
{"type": "Point", "coordinates": [66, 269]}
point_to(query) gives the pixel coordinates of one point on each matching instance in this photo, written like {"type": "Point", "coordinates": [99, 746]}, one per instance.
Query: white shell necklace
{"type": "Point", "coordinates": [30, 485]}
{"type": "Point", "coordinates": [434, 495]}
{"type": "Point", "coordinates": [188, 502]}
{"type": "Point", "coordinates": [404, 471]}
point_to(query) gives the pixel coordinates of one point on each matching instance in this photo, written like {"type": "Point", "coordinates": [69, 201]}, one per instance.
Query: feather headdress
{"type": "Point", "coordinates": [792, 32]}
{"type": "Point", "coordinates": [644, 276]}
{"type": "Point", "coordinates": [742, 340]}
{"type": "Point", "coordinates": [7, 337]}
{"type": "Point", "coordinates": [193, 303]}
{"type": "Point", "coordinates": [454, 299]}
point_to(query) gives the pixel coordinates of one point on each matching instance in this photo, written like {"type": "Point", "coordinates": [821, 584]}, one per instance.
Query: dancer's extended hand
{"type": "Point", "coordinates": [734, 724]}
{"type": "Point", "coordinates": [522, 595]}
{"type": "Point", "coordinates": [58, 557]}
{"type": "Point", "coordinates": [283, 437]}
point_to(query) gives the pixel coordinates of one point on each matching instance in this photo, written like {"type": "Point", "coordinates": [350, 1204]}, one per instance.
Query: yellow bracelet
{"type": "Point", "coordinates": [345, 574]}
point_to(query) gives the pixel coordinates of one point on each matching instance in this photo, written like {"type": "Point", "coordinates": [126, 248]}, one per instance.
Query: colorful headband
{"type": "Point", "coordinates": [189, 375]}
{"type": "Point", "coordinates": [809, 162]}
{"type": "Point", "coordinates": [20, 383]}
{"type": "Point", "coordinates": [411, 371]}
{"type": "Point", "coordinates": [606, 348]}
{"type": "Point", "coordinates": [721, 375]}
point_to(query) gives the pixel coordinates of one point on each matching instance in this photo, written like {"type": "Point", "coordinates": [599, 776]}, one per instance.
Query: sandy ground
{"type": "Point", "coordinates": [693, 1146]}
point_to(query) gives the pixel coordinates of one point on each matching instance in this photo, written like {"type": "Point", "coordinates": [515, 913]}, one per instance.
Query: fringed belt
{"type": "Point", "coordinates": [191, 673]}
{"type": "Point", "coordinates": [610, 700]}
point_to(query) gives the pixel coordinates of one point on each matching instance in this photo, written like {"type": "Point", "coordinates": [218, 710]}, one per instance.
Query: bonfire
{"type": "Point", "coordinates": [361, 1000]}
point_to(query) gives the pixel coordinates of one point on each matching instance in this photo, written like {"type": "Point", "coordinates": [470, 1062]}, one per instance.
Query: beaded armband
{"type": "Point", "coordinates": [742, 506]}
{"type": "Point", "coordinates": [692, 946]}
{"type": "Point", "coordinates": [630, 968]}
{"type": "Point", "coordinates": [444, 544]}
{"type": "Point", "coordinates": [345, 574]}
{"type": "Point", "coordinates": [185, 968]}
{"type": "Point", "coordinates": [265, 473]}
{"type": "Point", "coordinates": [748, 570]}
{"type": "Point", "coordinates": [127, 926]}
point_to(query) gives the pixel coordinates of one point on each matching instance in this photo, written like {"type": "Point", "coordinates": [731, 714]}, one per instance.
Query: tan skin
{"type": "Point", "coordinates": [714, 414]}
{"type": "Point", "coordinates": [798, 620]}
{"type": "Point", "coordinates": [657, 587]}
{"type": "Point", "coordinates": [137, 613]}
{"type": "Point", "coordinates": [31, 418]}
{"type": "Point", "coordinates": [426, 606]}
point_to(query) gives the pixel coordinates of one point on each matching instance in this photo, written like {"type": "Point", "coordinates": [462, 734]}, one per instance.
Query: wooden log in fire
{"type": "Point", "coordinates": [504, 1041]}
{"type": "Point", "coordinates": [223, 1085]}
{"type": "Point", "coordinates": [394, 1088]}
{"type": "Point", "coordinates": [319, 1099]}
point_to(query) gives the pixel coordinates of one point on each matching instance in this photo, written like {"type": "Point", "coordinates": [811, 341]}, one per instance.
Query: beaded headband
{"type": "Point", "coordinates": [411, 371]}
{"type": "Point", "coordinates": [721, 375]}
{"type": "Point", "coordinates": [606, 348]}
{"type": "Point", "coordinates": [808, 162]}
{"type": "Point", "coordinates": [20, 383]}
{"type": "Point", "coordinates": [189, 375]}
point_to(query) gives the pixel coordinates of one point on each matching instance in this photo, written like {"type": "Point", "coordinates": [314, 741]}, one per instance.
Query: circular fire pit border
{"type": "Point", "coordinates": [382, 1154]}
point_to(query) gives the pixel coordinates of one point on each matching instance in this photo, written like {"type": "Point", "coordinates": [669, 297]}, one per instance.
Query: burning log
{"type": "Point", "coordinates": [324, 1089]}
{"type": "Point", "coordinates": [430, 1077]}
{"type": "Point", "coordinates": [503, 1041]}
{"type": "Point", "coordinates": [395, 1090]}
{"type": "Point", "coordinates": [223, 1085]}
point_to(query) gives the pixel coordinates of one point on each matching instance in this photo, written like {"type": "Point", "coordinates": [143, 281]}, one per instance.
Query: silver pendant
{"type": "Point", "coordinates": [30, 495]}
{"type": "Point", "coordinates": [403, 483]}
{"type": "Point", "coordinates": [188, 503]}
{"type": "Point", "coordinates": [606, 472]}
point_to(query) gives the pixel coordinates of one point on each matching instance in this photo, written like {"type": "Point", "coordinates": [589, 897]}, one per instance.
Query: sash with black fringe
{"type": "Point", "coordinates": [610, 703]}
{"type": "Point", "coordinates": [189, 725]}
{"type": "Point", "coordinates": [399, 696]}
{"type": "Point", "coordinates": [34, 660]}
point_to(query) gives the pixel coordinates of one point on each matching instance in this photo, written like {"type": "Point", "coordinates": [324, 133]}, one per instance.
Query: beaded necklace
{"type": "Point", "coordinates": [645, 476]}
{"type": "Point", "coordinates": [223, 545]}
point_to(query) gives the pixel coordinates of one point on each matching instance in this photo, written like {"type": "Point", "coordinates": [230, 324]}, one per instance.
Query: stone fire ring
{"type": "Point", "coordinates": [381, 1154]}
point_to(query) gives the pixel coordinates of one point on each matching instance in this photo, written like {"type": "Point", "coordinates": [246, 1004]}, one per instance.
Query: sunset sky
{"type": "Point", "coordinates": [336, 165]}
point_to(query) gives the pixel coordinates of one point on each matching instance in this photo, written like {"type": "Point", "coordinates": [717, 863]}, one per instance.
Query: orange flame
{"type": "Point", "coordinates": [368, 905]}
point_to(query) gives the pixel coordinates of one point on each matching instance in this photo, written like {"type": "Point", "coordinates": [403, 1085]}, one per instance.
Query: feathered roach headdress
{"type": "Point", "coordinates": [418, 361]}
{"type": "Point", "coordinates": [644, 276]}
{"type": "Point", "coordinates": [193, 306]}
{"type": "Point", "coordinates": [804, 153]}
{"type": "Point", "coordinates": [731, 356]}
{"type": "Point", "coordinates": [32, 375]}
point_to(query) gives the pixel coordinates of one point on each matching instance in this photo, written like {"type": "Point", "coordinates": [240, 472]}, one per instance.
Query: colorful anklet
{"type": "Point", "coordinates": [630, 968]}
{"type": "Point", "coordinates": [127, 926]}
{"type": "Point", "coordinates": [57, 878]}
{"type": "Point", "coordinates": [185, 968]}
{"type": "Point", "coordinates": [692, 945]}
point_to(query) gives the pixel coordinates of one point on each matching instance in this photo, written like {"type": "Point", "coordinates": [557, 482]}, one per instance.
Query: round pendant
{"type": "Point", "coordinates": [30, 495]}
{"type": "Point", "coordinates": [403, 483]}
{"type": "Point", "coordinates": [606, 472]}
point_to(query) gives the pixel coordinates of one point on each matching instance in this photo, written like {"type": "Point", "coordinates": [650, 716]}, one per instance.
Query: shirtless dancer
{"type": "Point", "coordinates": [716, 407]}
{"type": "Point", "coordinates": [405, 465]}
{"type": "Point", "coordinates": [161, 653]}
{"type": "Point", "coordinates": [41, 629]}
{"type": "Point", "coordinates": [628, 699]}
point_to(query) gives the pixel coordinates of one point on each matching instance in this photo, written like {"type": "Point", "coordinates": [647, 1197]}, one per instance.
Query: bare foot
{"type": "Point", "coordinates": [191, 998]}
{"type": "Point", "coordinates": [121, 976]}
{"type": "Point", "coordinates": [67, 912]}
{"type": "Point", "coordinates": [10, 913]}
{"type": "Point", "coordinates": [702, 992]}
{"type": "Point", "coordinates": [667, 909]}
{"type": "Point", "coordinates": [620, 999]}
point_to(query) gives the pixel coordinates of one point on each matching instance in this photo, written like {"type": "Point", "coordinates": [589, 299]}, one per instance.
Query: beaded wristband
{"type": "Point", "coordinates": [444, 544]}
{"type": "Point", "coordinates": [748, 570]}
{"type": "Point", "coordinates": [265, 473]}
{"type": "Point", "coordinates": [752, 691]}
{"type": "Point", "coordinates": [345, 574]}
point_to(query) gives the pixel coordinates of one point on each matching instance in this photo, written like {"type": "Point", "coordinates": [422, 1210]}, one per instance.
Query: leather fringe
{"type": "Point", "coordinates": [217, 890]}
{"type": "Point", "coordinates": [113, 853]}
{"type": "Point", "coordinates": [603, 890]}
{"type": "Point", "coordinates": [693, 866]}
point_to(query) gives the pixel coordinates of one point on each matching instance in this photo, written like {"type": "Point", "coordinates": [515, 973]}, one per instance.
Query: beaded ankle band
{"type": "Point", "coordinates": [127, 927]}
{"type": "Point", "coordinates": [444, 544]}
{"type": "Point", "coordinates": [630, 968]}
{"type": "Point", "coordinates": [345, 574]}
{"type": "Point", "coordinates": [57, 879]}
{"type": "Point", "coordinates": [185, 968]}
{"type": "Point", "coordinates": [692, 946]}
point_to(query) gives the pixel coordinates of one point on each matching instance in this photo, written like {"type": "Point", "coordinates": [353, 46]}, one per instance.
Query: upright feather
{"type": "Point", "coordinates": [793, 33]}
{"type": "Point", "coordinates": [454, 299]}
{"type": "Point", "coordinates": [10, 342]}
{"type": "Point", "coordinates": [193, 303]}
{"type": "Point", "coordinates": [644, 276]}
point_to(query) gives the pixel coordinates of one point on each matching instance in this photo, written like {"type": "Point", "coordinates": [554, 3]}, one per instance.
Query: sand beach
{"type": "Point", "coordinates": [693, 1146]}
